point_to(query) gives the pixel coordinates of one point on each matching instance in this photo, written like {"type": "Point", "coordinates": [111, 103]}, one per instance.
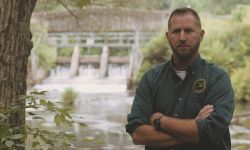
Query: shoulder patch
{"type": "Point", "coordinates": [199, 86]}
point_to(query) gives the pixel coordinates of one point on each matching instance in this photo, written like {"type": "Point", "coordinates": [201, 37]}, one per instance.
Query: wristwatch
{"type": "Point", "coordinates": [157, 123]}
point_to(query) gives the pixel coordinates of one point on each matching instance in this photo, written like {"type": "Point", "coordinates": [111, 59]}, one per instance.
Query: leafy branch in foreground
{"type": "Point", "coordinates": [37, 137]}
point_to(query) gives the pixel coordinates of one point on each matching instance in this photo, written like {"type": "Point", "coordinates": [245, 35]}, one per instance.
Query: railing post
{"type": "Point", "coordinates": [74, 64]}
{"type": "Point", "coordinates": [104, 62]}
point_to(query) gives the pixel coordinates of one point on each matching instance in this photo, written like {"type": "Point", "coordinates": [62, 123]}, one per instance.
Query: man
{"type": "Point", "coordinates": [185, 103]}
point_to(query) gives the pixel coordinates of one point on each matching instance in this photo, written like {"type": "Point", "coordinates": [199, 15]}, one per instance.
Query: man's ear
{"type": "Point", "coordinates": [202, 33]}
{"type": "Point", "coordinates": [167, 36]}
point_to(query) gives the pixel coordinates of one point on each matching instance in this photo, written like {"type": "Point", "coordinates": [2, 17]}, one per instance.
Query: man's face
{"type": "Point", "coordinates": [184, 36]}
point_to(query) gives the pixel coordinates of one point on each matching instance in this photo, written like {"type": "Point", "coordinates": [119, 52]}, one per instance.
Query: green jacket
{"type": "Point", "coordinates": [161, 90]}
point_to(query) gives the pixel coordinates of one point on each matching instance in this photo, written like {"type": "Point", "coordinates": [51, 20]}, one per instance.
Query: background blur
{"type": "Point", "coordinates": [90, 54]}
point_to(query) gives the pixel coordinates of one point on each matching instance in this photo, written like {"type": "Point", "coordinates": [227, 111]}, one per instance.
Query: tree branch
{"type": "Point", "coordinates": [69, 10]}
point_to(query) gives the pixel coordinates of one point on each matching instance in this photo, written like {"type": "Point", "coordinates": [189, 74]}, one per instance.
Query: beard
{"type": "Point", "coordinates": [185, 54]}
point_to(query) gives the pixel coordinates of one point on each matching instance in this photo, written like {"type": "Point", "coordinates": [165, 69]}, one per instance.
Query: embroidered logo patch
{"type": "Point", "coordinates": [199, 85]}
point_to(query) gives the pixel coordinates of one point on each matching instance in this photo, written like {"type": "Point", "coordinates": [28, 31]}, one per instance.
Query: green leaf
{"type": "Point", "coordinates": [43, 102]}
{"type": "Point", "coordinates": [3, 139]}
{"type": "Point", "coordinates": [38, 93]}
{"type": "Point", "coordinates": [70, 123]}
{"type": "Point", "coordinates": [32, 114]}
{"type": "Point", "coordinates": [57, 119]}
{"type": "Point", "coordinates": [46, 140]}
{"type": "Point", "coordinates": [70, 136]}
{"type": "Point", "coordinates": [35, 135]}
{"type": "Point", "coordinates": [68, 115]}
{"type": "Point", "coordinates": [20, 145]}
{"type": "Point", "coordinates": [34, 144]}
{"type": "Point", "coordinates": [9, 143]}
{"type": "Point", "coordinates": [16, 136]}
{"type": "Point", "coordinates": [3, 116]}
{"type": "Point", "coordinates": [82, 124]}
{"type": "Point", "coordinates": [50, 105]}
{"type": "Point", "coordinates": [67, 144]}
{"type": "Point", "coordinates": [37, 117]}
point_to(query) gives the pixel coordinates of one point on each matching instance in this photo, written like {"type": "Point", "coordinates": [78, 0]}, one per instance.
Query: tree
{"type": "Point", "coordinates": [15, 47]}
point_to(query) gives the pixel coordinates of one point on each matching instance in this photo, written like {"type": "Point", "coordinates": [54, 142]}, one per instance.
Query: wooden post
{"type": "Point", "coordinates": [74, 64]}
{"type": "Point", "coordinates": [134, 62]}
{"type": "Point", "coordinates": [130, 78]}
{"type": "Point", "coordinates": [104, 62]}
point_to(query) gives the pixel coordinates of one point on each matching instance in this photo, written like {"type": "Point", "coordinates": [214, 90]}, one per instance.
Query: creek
{"type": "Point", "coordinates": [103, 104]}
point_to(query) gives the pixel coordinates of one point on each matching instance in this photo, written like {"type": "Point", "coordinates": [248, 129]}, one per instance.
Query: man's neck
{"type": "Point", "coordinates": [183, 64]}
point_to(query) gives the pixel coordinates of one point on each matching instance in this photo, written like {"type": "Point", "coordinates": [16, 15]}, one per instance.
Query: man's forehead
{"type": "Point", "coordinates": [182, 16]}
{"type": "Point", "coordinates": [183, 19]}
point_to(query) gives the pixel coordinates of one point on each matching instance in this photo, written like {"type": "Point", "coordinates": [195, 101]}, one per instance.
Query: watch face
{"type": "Point", "coordinates": [157, 124]}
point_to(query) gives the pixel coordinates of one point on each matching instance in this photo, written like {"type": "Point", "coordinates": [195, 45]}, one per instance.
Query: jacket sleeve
{"type": "Point", "coordinates": [220, 94]}
{"type": "Point", "coordinates": [142, 105]}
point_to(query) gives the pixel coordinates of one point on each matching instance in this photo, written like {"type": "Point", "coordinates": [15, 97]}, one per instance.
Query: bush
{"type": "Point", "coordinates": [154, 52]}
{"type": "Point", "coordinates": [65, 51]}
{"type": "Point", "coordinates": [91, 51]}
{"type": "Point", "coordinates": [68, 98]}
{"type": "Point", "coordinates": [240, 81]}
{"type": "Point", "coordinates": [227, 38]}
{"type": "Point", "coordinates": [43, 50]}
{"type": "Point", "coordinates": [36, 137]}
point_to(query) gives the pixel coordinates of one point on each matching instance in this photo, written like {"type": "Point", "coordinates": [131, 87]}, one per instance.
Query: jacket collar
{"type": "Point", "coordinates": [191, 68]}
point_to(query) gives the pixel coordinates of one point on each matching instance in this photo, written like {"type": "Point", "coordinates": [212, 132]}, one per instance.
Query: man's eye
{"type": "Point", "coordinates": [188, 30]}
{"type": "Point", "coordinates": [177, 31]}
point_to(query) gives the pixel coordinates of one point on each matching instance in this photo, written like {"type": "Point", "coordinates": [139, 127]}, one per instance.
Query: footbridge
{"type": "Point", "coordinates": [126, 41]}
{"type": "Point", "coordinates": [105, 29]}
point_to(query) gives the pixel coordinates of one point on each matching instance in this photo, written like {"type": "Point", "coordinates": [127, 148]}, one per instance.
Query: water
{"type": "Point", "coordinates": [103, 104]}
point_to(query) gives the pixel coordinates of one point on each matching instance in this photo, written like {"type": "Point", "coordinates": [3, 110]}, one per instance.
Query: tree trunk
{"type": "Point", "coordinates": [15, 46]}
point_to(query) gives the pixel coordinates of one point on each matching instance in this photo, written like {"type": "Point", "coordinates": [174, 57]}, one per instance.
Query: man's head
{"type": "Point", "coordinates": [183, 11]}
{"type": "Point", "coordinates": [184, 33]}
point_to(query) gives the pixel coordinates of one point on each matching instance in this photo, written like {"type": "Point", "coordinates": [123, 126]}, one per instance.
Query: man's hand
{"type": "Point", "coordinates": [205, 112]}
{"type": "Point", "coordinates": [155, 116]}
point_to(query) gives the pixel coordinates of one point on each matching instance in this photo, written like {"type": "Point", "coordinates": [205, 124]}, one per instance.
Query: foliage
{"type": "Point", "coordinates": [10, 136]}
{"type": "Point", "coordinates": [227, 44]}
{"type": "Point", "coordinates": [79, 3]}
{"type": "Point", "coordinates": [218, 7]}
{"type": "Point", "coordinates": [43, 50]}
{"type": "Point", "coordinates": [228, 39]}
{"type": "Point", "coordinates": [56, 5]}
{"type": "Point", "coordinates": [39, 138]}
{"type": "Point", "coordinates": [68, 98]}
{"type": "Point", "coordinates": [197, 5]}
{"type": "Point", "coordinates": [154, 52]}
{"type": "Point", "coordinates": [91, 51]}
{"type": "Point", "coordinates": [239, 13]}
{"type": "Point", "coordinates": [59, 5]}
{"type": "Point", "coordinates": [240, 81]}
{"type": "Point", "coordinates": [118, 52]}
{"type": "Point", "coordinates": [66, 51]}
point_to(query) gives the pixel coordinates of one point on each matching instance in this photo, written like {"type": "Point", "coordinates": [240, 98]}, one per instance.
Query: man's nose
{"type": "Point", "coordinates": [182, 35]}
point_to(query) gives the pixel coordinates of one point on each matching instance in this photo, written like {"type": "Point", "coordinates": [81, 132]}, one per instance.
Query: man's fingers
{"type": "Point", "coordinates": [206, 108]}
{"type": "Point", "coordinates": [205, 112]}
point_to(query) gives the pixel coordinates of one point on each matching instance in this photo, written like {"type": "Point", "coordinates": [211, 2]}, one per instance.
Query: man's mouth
{"type": "Point", "coordinates": [183, 46]}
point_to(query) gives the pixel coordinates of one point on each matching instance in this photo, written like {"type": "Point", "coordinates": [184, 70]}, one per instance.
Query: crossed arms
{"type": "Point", "coordinates": [174, 131]}
{"type": "Point", "coordinates": [200, 129]}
